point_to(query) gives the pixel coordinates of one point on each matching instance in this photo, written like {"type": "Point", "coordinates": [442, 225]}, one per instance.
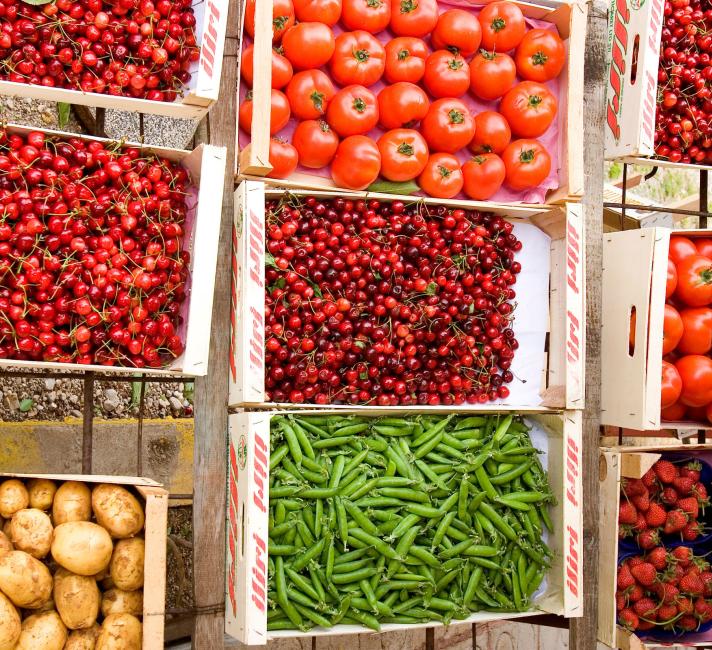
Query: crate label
{"type": "Point", "coordinates": [232, 532]}
{"type": "Point", "coordinates": [256, 238]}
{"type": "Point", "coordinates": [572, 512]}
{"type": "Point", "coordinates": [574, 325]}
{"type": "Point", "coordinates": [234, 301]}
{"type": "Point", "coordinates": [208, 48]}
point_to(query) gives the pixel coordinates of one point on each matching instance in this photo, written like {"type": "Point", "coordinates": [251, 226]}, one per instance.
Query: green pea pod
{"type": "Point", "coordinates": [505, 500]}
{"type": "Point", "coordinates": [304, 532]}
{"type": "Point", "coordinates": [353, 576]}
{"type": "Point", "coordinates": [281, 549]}
{"type": "Point", "coordinates": [303, 440]}
{"type": "Point", "coordinates": [282, 491]}
{"type": "Point", "coordinates": [470, 422]}
{"type": "Point", "coordinates": [462, 498]}
{"type": "Point", "coordinates": [313, 616]}
{"type": "Point", "coordinates": [406, 494]}
{"type": "Point", "coordinates": [308, 555]}
{"type": "Point", "coordinates": [337, 471]}
{"type": "Point", "coordinates": [472, 585]}
{"type": "Point", "coordinates": [481, 551]}
{"type": "Point", "coordinates": [425, 511]}
{"type": "Point", "coordinates": [364, 489]}
{"type": "Point", "coordinates": [458, 549]}
{"type": "Point", "coordinates": [430, 474]}
{"type": "Point", "coordinates": [440, 531]}
{"type": "Point", "coordinates": [361, 519]}
{"type": "Point", "coordinates": [404, 525]}
{"type": "Point", "coordinates": [355, 461]}
{"type": "Point", "coordinates": [316, 583]}
{"type": "Point", "coordinates": [282, 597]}
{"type": "Point", "coordinates": [280, 529]}
{"type": "Point", "coordinates": [326, 443]}
{"type": "Point", "coordinates": [292, 442]}
{"type": "Point", "coordinates": [277, 456]}
{"type": "Point", "coordinates": [507, 477]}
{"type": "Point", "coordinates": [502, 526]}
{"type": "Point", "coordinates": [365, 619]}
{"type": "Point", "coordinates": [422, 554]}
{"type": "Point", "coordinates": [312, 428]}
{"type": "Point", "coordinates": [375, 542]}
{"type": "Point", "coordinates": [302, 583]}
{"type": "Point", "coordinates": [502, 429]}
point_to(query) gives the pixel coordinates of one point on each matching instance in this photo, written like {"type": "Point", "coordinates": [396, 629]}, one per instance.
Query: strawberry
{"type": "Point", "coordinates": [645, 608]}
{"type": "Point", "coordinates": [685, 605]}
{"type": "Point", "coordinates": [675, 522]}
{"type": "Point", "coordinates": [687, 623]}
{"type": "Point", "coordinates": [644, 573]}
{"type": "Point", "coordinates": [700, 491]}
{"type": "Point", "coordinates": [692, 531]}
{"type": "Point", "coordinates": [691, 583]}
{"type": "Point", "coordinates": [703, 609]}
{"type": "Point", "coordinates": [665, 471]}
{"type": "Point", "coordinates": [648, 478]}
{"type": "Point", "coordinates": [691, 470]}
{"type": "Point", "coordinates": [675, 573]}
{"type": "Point", "coordinates": [683, 555]}
{"type": "Point", "coordinates": [706, 577]}
{"type": "Point", "coordinates": [640, 523]}
{"type": "Point", "coordinates": [689, 506]}
{"type": "Point", "coordinates": [648, 539]}
{"type": "Point", "coordinates": [667, 593]}
{"type": "Point", "coordinates": [669, 496]}
{"type": "Point", "coordinates": [641, 501]}
{"type": "Point", "coordinates": [635, 593]}
{"type": "Point", "coordinates": [620, 602]}
{"type": "Point", "coordinates": [636, 560]}
{"type": "Point", "coordinates": [627, 514]}
{"type": "Point", "coordinates": [666, 613]}
{"type": "Point", "coordinates": [632, 487]}
{"type": "Point", "coordinates": [683, 485]}
{"type": "Point", "coordinates": [655, 516]}
{"type": "Point", "coordinates": [658, 557]}
{"type": "Point", "coordinates": [628, 619]}
{"type": "Point", "coordinates": [625, 577]}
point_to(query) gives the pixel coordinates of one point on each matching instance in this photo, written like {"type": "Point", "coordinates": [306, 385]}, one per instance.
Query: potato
{"type": "Point", "coordinates": [5, 544]}
{"type": "Point", "coordinates": [41, 492]}
{"type": "Point", "coordinates": [120, 632]}
{"type": "Point", "coordinates": [31, 531]}
{"type": "Point", "coordinates": [25, 580]}
{"type": "Point", "coordinates": [116, 601]}
{"type": "Point", "coordinates": [117, 510]}
{"type": "Point", "coordinates": [9, 624]}
{"type": "Point", "coordinates": [6, 528]}
{"type": "Point", "coordinates": [82, 547]}
{"type": "Point", "coordinates": [43, 631]}
{"type": "Point", "coordinates": [83, 639]}
{"type": "Point", "coordinates": [72, 502]}
{"type": "Point", "coordinates": [13, 497]}
{"type": "Point", "coordinates": [127, 563]}
{"type": "Point", "coordinates": [77, 599]}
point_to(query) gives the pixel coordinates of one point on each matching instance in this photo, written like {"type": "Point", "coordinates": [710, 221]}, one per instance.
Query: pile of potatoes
{"type": "Point", "coordinates": [71, 566]}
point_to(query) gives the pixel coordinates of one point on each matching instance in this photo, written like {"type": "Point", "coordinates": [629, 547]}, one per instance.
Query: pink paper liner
{"type": "Point", "coordinates": [550, 139]}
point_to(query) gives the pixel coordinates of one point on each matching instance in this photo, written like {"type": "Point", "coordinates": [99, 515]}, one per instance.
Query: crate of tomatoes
{"type": "Point", "coordinates": [657, 329]}
{"type": "Point", "coordinates": [439, 99]}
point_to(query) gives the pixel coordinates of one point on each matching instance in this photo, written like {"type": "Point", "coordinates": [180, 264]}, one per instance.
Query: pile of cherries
{"type": "Point", "coordinates": [132, 48]}
{"type": "Point", "coordinates": [388, 304]}
{"type": "Point", "coordinates": [684, 109]}
{"type": "Point", "coordinates": [91, 266]}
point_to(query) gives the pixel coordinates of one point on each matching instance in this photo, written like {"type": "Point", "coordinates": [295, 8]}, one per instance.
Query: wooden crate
{"type": "Point", "coordinates": [206, 166]}
{"type": "Point", "coordinates": [199, 95]}
{"type": "Point", "coordinates": [570, 20]}
{"type": "Point", "coordinates": [155, 531]}
{"type": "Point", "coordinates": [562, 375]}
{"type": "Point", "coordinates": [246, 556]}
{"type": "Point", "coordinates": [634, 277]}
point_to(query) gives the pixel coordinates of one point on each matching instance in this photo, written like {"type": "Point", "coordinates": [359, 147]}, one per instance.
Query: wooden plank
{"type": "Point", "coordinates": [411, 639]}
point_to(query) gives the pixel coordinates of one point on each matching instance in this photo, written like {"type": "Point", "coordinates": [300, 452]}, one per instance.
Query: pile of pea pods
{"type": "Point", "coordinates": [403, 520]}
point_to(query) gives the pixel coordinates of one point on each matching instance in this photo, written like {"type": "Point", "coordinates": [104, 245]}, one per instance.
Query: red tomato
{"type": "Point", "coordinates": [413, 17]}
{"type": "Point", "coordinates": [674, 413]}
{"type": "Point", "coordinates": [446, 74]}
{"type": "Point", "coordinates": [708, 412]}
{"type": "Point", "coordinates": [492, 133]}
{"type": "Point", "coordinates": [671, 385]}
{"type": "Point", "coordinates": [447, 126]}
{"type": "Point", "coordinates": [359, 58]}
{"type": "Point", "coordinates": [704, 246]}
{"type": "Point", "coordinates": [458, 31]}
{"type": "Point", "coordinates": [402, 104]}
{"type": "Point", "coordinates": [442, 176]}
{"type": "Point", "coordinates": [694, 281]}
{"type": "Point", "coordinates": [283, 157]}
{"type": "Point", "coordinates": [282, 18]}
{"type": "Point", "coordinates": [281, 68]}
{"type": "Point", "coordinates": [491, 74]}
{"type": "Point", "coordinates": [308, 45]}
{"type": "Point", "coordinates": [483, 175]}
{"type": "Point", "coordinates": [315, 142]}
{"type": "Point", "coordinates": [352, 111]}
{"type": "Point", "coordinates": [404, 154]}
{"type": "Point", "coordinates": [357, 163]}
{"type": "Point", "coordinates": [680, 248]}
{"type": "Point", "coordinates": [671, 283]}
{"type": "Point", "coordinates": [318, 11]}
{"type": "Point", "coordinates": [697, 331]}
{"type": "Point", "coordinates": [309, 93]}
{"type": "Point", "coordinates": [672, 329]}
{"type": "Point", "coordinates": [370, 15]}
{"type": "Point", "coordinates": [503, 26]}
{"type": "Point", "coordinates": [405, 59]}
{"type": "Point", "coordinates": [696, 374]}
{"type": "Point", "coordinates": [529, 108]}
{"type": "Point", "coordinates": [540, 56]}
{"type": "Point", "coordinates": [527, 163]}
{"type": "Point", "coordinates": [278, 117]}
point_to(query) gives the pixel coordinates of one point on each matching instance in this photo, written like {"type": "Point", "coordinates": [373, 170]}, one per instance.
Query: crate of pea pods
{"type": "Point", "coordinates": [343, 523]}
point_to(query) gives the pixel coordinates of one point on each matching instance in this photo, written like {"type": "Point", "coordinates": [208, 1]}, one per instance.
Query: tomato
{"type": "Point", "coordinates": [492, 133]}
{"type": "Point", "coordinates": [708, 412]}
{"type": "Point", "coordinates": [309, 93]}
{"type": "Point", "coordinates": [696, 374]}
{"type": "Point", "coordinates": [357, 163]}
{"type": "Point", "coordinates": [671, 283]}
{"type": "Point", "coordinates": [697, 331]}
{"type": "Point", "coordinates": [704, 246]}
{"type": "Point", "coordinates": [680, 248]}
{"type": "Point", "coordinates": [527, 163]}
{"type": "Point", "coordinates": [491, 74]}
{"type": "Point", "coordinates": [278, 116]}
{"type": "Point", "coordinates": [352, 111]}
{"type": "Point", "coordinates": [483, 175]}
{"type": "Point", "coordinates": [442, 176]}
{"type": "Point", "coordinates": [671, 385]}
{"type": "Point", "coordinates": [672, 329]}
{"type": "Point", "coordinates": [316, 143]}
{"type": "Point", "coordinates": [540, 56]}
{"type": "Point", "coordinates": [318, 11]}
{"type": "Point", "coordinates": [283, 157]}
{"type": "Point", "coordinates": [413, 17]}
{"type": "Point", "coordinates": [308, 45]}
{"type": "Point", "coordinates": [446, 74]}
{"type": "Point", "coordinates": [529, 108]}
{"type": "Point", "coordinates": [282, 18]}
{"type": "Point", "coordinates": [404, 154]}
{"type": "Point", "coordinates": [674, 413]}
{"type": "Point", "coordinates": [402, 104]}
{"type": "Point", "coordinates": [359, 58]}
{"type": "Point", "coordinates": [458, 31]}
{"type": "Point", "coordinates": [370, 15]}
{"type": "Point", "coordinates": [405, 59]}
{"type": "Point", "coordinates": [281, 68]}
{"type": "Point", "coordinates": [447, 126]}
{"type": "Point", "coordinates": [503, 26]}
{"type": "Point", "coordinates": [694, 281]}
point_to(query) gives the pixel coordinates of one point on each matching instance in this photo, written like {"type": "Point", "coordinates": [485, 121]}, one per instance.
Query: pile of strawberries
{"type": "Point", "coordinates": [667, 500]}
{"type": "Point", "coordinates": [664, 589]}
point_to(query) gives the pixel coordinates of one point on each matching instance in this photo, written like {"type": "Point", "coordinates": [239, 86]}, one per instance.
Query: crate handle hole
{"type": "Point", "coordinates": [631, 332]}
{"type": "Point", "coordinates": [634, 62]}
{"type": "Point", "coordinates": [242, 530]}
